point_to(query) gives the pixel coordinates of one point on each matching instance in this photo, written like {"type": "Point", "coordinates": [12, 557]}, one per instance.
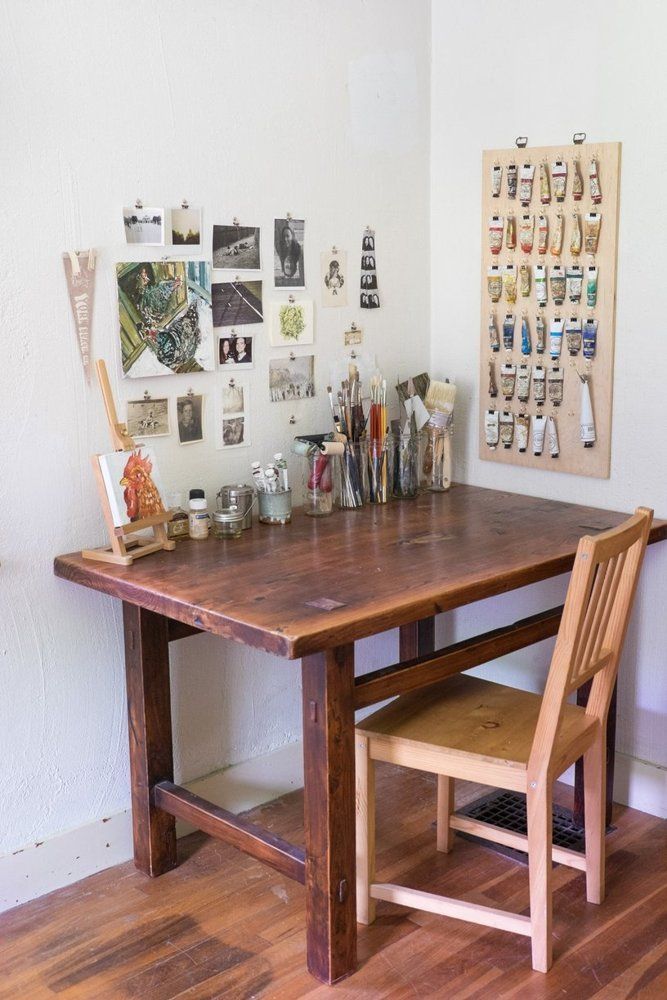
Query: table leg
{"type": "Point", "coordinates": [416, 639]}
{"type": "Point", "coordinates": [578, 811]}
{"type": "Point", "coordinates": [328, 749]}
{"type": "Point", "coordinates": [149, 727]}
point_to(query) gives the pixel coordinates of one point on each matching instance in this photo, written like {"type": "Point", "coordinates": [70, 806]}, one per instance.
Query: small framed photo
{"type": "Point", "coordinates": [333, 270]}
{"type": "Point", "coordinates": [291, 323]}
{"type": "Point", "coordinates": [232, 416]}
{"type": "Point", "coordinates": [132, 484]}
{"type": "Point", "coordinates": [144, 226]}
{"type": "Point", "coordinates": [236, 248]}
{"type": "Point", "coordinates": [236, 349]}
{"type": "Point", "coordinates": [147, 418]}
{"type": "Point", "coordinates": [186, 227]}
{"type": "Point", "coordinates": [237, 303]}
{"type": "Point", "coordinates": [292, 378]}
{"type": "Point", "coordinates": [189, 414]}
{"type": "Point", "coordinates": [288, 237]}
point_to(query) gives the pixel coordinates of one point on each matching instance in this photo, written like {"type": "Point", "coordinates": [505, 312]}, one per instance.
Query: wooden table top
{"type": "Point", "coordinates": [372, 569]}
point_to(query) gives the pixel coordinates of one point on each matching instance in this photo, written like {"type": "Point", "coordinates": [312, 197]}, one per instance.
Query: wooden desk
{"type": "Point", "coordinates": [309, 590]}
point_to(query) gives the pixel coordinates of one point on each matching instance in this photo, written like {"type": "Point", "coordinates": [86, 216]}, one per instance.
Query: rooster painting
{"type": "Point", "coordinates": [141, 496]}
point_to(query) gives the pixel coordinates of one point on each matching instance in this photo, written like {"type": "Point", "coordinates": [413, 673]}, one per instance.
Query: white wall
{"type": "Point", "coordinates": [243, 108]}
{"type": "Point", "coordinates": [601, 71]}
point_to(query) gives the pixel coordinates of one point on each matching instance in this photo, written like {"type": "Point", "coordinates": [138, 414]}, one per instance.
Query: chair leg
{"type": "Point", "coordinates": [539, 805]}
{"type": "Point", "coordinates": [365, 770]}
{"type": "Point", "coordinates": [445, 808]}
{"type": "Point", "coordinates": [594, 819]}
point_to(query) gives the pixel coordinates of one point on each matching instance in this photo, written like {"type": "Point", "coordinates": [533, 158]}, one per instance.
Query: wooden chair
{"type": "Point", "coordinates": [472, 729]}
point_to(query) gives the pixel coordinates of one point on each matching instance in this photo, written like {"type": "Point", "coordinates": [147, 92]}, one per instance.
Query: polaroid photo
{"type": "Point", "coordinates": [292, 378]}
{"type": "Point", "coordinates": [144, 226]}
{"type": "Point", "coordinates": [236, 248]}
{"type": "Point", "coordinates": [236, 349]}
{"type": "Point", "coordinates": [133, 485]}
{"type": "Point", "coordinates": [237, 303]}
{"type": "Point", "coordinates": [291, 323]}
{"type": "Point", "coordinates": [232, 414]}
{"type": "Point", "coordinates": [353, 336]}
{"type": "Point", "coordinates": [147, 417]}
{"type": "Point", "coordinates": [333, 272]}
{"type": "Point", "coordinates": [186, 227]}
{"type": "Point", "coordinates": [288, 237]}
{"type": "Point", "coordinates": [189, 414]}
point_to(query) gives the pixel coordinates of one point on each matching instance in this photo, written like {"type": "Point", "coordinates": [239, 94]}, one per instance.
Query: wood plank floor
{"type": "Point", "coordinates": [222, 925]}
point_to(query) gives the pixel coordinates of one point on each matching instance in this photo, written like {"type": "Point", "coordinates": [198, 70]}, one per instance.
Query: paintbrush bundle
{"type": "Point", "coordinates": [348, 417]}
{"type": "Point", "coordinates": [378, 442]}
{"type": "Point", "coordinates": [437, 460]}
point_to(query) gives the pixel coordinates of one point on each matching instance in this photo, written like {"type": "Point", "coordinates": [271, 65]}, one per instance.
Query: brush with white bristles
{"type": "Point", "coordinates": [440, 404]}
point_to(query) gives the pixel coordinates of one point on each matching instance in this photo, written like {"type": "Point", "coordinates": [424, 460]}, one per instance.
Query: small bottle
{"type": "Point", "coordinates": [178, 527]}
{"type": "Point", "coordinates": [199, 520]}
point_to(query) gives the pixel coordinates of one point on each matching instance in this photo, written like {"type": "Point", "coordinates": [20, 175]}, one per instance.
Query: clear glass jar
{"type": "Point", "coordinates": [317, 485]}
{"type": "Point", "coordinates": [435, 463]}
{"type": "Point", "coordinates": [228, 522]}
{"type": "Point", "coordinates": [352, 476]}
{"type": "Point", "coordinates": [405, 448]}
{"type": "Point", "coordinates": [380, 465]}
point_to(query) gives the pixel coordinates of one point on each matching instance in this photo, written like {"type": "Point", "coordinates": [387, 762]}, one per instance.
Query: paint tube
{"type": "Point", "coordinates": [557, 281]}
{"type": "Point", "coordinates": [493, 385]}
{"type": "Point", "coordinates": [496, 180]}
{"type": "Point", "coordinates": [587, 420]}
{"type": "Point", "coordinates": [555, 386]}
{"type": "Point", "coordinates": [512, 174]}
{"type": "Point", "coordinates": [526, 175]}
{"type": "Point", "coordinates": [494, 340]}
{"type": "Point", "coordinates": [559, 175]}
{"type": "Point", "coordinates": [523, 383]}
{"type": "Point", "coordinates": [590, 337]}
{"type": "Point", "coordinates": [575, 238]}
{"type": "Point", "coordinates": [506, 428]}
{"type": "Point", "coordinates": [545, 184]}
{"type": "Point", "coordinates": [540, 331]}
{"type": "Point", "coordinates": [510, 232]}
{"type": "Point", "coordinates": [594, 178]}
{"type": "Point", "coordinates": [574, 277]}
{"type": "Point", "coordinates": [508, 332]}
{"type": "Point", "coordinates": [539, 426]}
{"type": "Point", "coordinates": [522, 430]}
{"type": "Point", "coordinates": [539, 384]}
{"type": "Point", "coordinates": [555, 337]}
{"type": "Point", "coordinates": [509, 282]}
{"type": "Point", "coordinates": [577, 181]}
{"type": "Point", "coordinates": [495, 233]}
{"type": "Point", "coordinates": [573, 335]}
{"type": "Point", "coordinates": [507, 380]}
{"type": "Point", "coordinates": [592, 232]}
{"type": "Point", "coordinates": [494, 282]}
{"type": "Point", "coordinates": [491, 428]}
{"type": "Point", "coordinates": [526, 345]}
{"type": "Point", "coordinates": [527, 233]}
{"type": "Point", "coordinates": [540, 275]}
{"type": "Point", "coordinates": [542, 234]}
{"type": "Point", "coordinates": [552, 433]}
{"type": "Point", "coordinates": [557, 237]}
{"type": "Point", "coordinates": [524, 279]}
{"type": "Point", "coordinates": [591, 287]}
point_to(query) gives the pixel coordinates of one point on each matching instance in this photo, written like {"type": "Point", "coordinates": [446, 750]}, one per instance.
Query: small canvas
{"type": "Point", "coordinates": [291, 323]}
{"type": "Point", "coordinates": [133, 485]}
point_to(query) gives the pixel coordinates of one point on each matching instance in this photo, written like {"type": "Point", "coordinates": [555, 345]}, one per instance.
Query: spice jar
{"type": "Point", "coordinates": [228, 522]}
{"type": "Point", "coordinates": [198, 518]}
{"type": "Point", "coordinates": [179, 526]}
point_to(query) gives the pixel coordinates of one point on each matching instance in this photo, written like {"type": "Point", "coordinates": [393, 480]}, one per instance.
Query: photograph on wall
{"type": "Point", "coordinates": [147, 417]}
{"type": "Point", "coordinates": [288, 237]}
{"type": "Point", "coordinates": [189, 414]}
{"type": "Point", "coordinates": [232, 414]}
{"type": "Point", "coordinates": [353, 336]}
{"type": "Point", "coordinates": [133, 485]}
{"type": "Point", "coordinates": [292, 378]}
{"type": "Point", "coordinates": [166, 324]}
{"type": "Point", "coordinates": [291, 323]}
{"type": "Point", "coordinates": [144, 226]}
{"type": "Point", "coordinates": [236, 350]}
{"type": "Point", "coordinates": [236, 248]}
{"type": "Point", "coordinates": [186, 226]}
{"type": "Point", "coordinates": [237, 303]}
{"type": "Point", "coordinates": [333, 269]}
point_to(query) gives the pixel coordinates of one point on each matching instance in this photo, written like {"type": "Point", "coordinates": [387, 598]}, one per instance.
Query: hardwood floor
{"type": "Point", "coordinates": [223, 925]}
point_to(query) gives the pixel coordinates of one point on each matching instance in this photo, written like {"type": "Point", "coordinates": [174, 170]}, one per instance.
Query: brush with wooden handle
{"type": "Point", "coordinates": [438, 455]}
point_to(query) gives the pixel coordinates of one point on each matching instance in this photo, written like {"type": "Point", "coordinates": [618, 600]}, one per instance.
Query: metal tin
{"type": "Point", "coordinates": [242, 496]}
{"type": "Point", "coordinates": [275, 508]}
{"type": "Point", "coordinates": [228, 522]}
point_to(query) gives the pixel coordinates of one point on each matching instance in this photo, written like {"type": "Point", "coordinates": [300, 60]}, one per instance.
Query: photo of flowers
{"type": "Point", "coordinates": [291, 323]}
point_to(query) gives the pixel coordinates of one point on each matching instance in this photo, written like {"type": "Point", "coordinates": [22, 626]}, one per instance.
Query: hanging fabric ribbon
{"type": "Point", "coordinates": [80, 275]}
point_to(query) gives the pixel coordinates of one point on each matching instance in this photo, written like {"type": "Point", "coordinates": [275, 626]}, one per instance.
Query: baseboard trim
{"type": "Point", "coordinates": [637, 783]}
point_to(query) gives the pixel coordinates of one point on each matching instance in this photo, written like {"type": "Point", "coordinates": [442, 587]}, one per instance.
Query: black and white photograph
{"type": "Point", "coordinates": [353, 336]}
{"type": "Point", "coordinates": [233, 432]}
{"type": "Point", "coordinates": [186, 227]}
{"type": "Point", "coordinates": [237, 303]}
{"type": "Point", "coordinates": [189, 412]}
{"type": "Point", "coordinates": [144, 226]}
{"type": "Point", "coordinates": [236, 350]}
{"type": "Point", "coordinates": [232, 398]}
{"type": "Point", "coordinates": [333, 269]}
{"type": "Point", "coordinates": [147, 417]}
{"type": "Point", "coordinates": [232, 410]}
{"type": "Point", "coordinates": [288, 237]}
{"type": "Point", "coordinates": [291, 378]}
{"type": "Point", "coordinates": [236, 248]}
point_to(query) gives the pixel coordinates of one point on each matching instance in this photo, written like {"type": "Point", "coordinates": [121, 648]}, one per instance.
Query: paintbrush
{"type": "Point", "coordinates": [440, 405]}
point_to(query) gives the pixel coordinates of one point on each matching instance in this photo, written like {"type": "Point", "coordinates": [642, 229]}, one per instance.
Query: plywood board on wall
{"type": "Point", "coordinates": [573, 458]}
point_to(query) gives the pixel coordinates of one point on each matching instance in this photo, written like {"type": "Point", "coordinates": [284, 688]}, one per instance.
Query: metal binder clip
{"type": "Point", "coordinates": [184, 203]}
{"type": "Point", "coordinates": [231, 383]}
{"type": "Point", "coordinates": [292, 419]}
{"type": "Point", "coordinates": [147, 394]}
{"type": "Point", "coordinates": [521, 141]}
{"type": "Point", "coordinates": [138, 203]}
{"type": "Point", "coordinates": [578, 138]}
{"type": "Point", "coordinates": [235, 221]}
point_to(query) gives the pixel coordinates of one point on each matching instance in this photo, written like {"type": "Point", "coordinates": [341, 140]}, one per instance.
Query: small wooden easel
{"type": "Point", "coordinates": [125, 547]}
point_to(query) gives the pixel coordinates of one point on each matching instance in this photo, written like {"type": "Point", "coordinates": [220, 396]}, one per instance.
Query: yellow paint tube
{"type": "Point", "coordinates": [592, 232]}
{"type": "Point", "coordinates": [552, 434]}
{"type": "Point", "coordinates": [557, 238]}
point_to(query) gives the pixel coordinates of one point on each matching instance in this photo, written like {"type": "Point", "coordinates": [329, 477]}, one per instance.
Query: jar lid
{"type": "Point", "coordinates": [197, 504]}
{"type": "Point", "coordinates": [236, 490]}
{"type": "Point", "coordinates": [196, 494]}
{"type": "Point", "coordinates": [228, 515]}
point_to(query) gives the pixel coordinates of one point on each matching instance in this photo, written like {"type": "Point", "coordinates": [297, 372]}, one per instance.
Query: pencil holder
{"type": "Point", "coordinates": [380, 468]}
{"type": "Point", "coordinates": [275, 508]}
{"type": "Point", "coordinates": [405, 478]}
{"type": "Point", "coordinates": [435, 462]}
{"type": "Point", "coordinates": [317, 485]}
{"type": "Point", "coordinates": [352, 476]}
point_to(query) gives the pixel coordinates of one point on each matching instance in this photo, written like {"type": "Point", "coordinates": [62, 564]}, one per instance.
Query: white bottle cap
{"type": "Point", "coordinates": [278, 456]}
{"type": "Point", "coordinates": [197, 504]}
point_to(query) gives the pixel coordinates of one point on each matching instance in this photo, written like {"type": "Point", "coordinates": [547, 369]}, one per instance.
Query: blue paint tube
{"type": "Point", "coordinates": [508, 331]}
{"type": "Point", "coordinates": [590, 337]}
{"type": "Point", "coordinates": [526, 346]}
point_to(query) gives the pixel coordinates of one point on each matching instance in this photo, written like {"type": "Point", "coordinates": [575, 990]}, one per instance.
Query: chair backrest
{"type": "Point", "coordinates": [592, 630]}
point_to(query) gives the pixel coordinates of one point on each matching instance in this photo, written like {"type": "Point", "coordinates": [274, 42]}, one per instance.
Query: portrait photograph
{"type": "Point", "coordinates": [186, 226]}
{"type": "Point", "coordinates": [288, 238]}
{"type": "Point", "coordinates": [132, 484]}
{"type": "Point", "coordinates": [291, 378]}
{"type": "Point", "coordinates": [236, 350]}
{"type": "Point", "coordinates": [147, 417]}
{"type": "Point", "coordinates": [237, 303]}
{"type": "Point", "coordinates": [333, 270]}
{"type": "Point", "coordinates": [189, 414]}
{"type": "Point", "coordinates": [236, 248]}
{"type": "Point", "coordinates": [144, 226]}
{"type": "Point", "coordinates": [291, 323]}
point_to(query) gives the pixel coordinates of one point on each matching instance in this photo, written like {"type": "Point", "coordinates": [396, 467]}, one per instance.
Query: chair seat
{"type": "Point", "coordinates": [467, 716]}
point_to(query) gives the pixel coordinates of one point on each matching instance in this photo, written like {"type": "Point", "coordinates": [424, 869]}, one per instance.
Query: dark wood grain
{"type": "Point", "coordinates": [235, 830]}
{"type": "Point", "coordinates": [149, 726]}
{"type": "Point", "coordinates": [385, 566]}
{"type": "Point", "coordinates": [328, 753]}
{"type": "Point", "coordinates": [416, 638]}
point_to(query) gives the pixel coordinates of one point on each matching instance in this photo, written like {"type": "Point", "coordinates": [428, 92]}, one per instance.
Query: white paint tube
{"type": "Point", "coordinates": [506, 428]}
{"type": "Point", "coordinates": [526, 176]}
{"type": "Point", "coordinates": [496, 180]}
{"type": "Point", "coordinates": [281, 467]}
{"type": "Point", "coordinates": [552, 432]}
{"type": "Point", "coordinates": [522, 429]}
{"type": "Point", "coordinates": [523, 383]}
{"type": "Point", "coordinates": [540, 275]}
{"type": "Point", "coordinates": [587, 419]}
{"type": "Point", "coordinates": [258, 476]}
{"type": "Point", "coordinates": [491, 423]}
{"type": "Point", "coordinates": [556, 337]}
{"type": "Point", "coordinates": [539, 384]}
{"type": "Point", "coordinates": [539, 426]}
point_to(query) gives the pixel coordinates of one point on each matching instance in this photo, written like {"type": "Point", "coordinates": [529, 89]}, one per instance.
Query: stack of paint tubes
{"type": "Point", "coordinates": [274, 478]}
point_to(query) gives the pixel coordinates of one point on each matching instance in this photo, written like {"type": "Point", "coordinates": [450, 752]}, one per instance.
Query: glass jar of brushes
{"type": "Point", "coordinates": [352, 475]}
{"type": "Point", "coordinates": [405, 450]}
{"type": "Point", "coordinates": [380, 467]}
{"type": "Point", "coordinates": [435, 462]}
